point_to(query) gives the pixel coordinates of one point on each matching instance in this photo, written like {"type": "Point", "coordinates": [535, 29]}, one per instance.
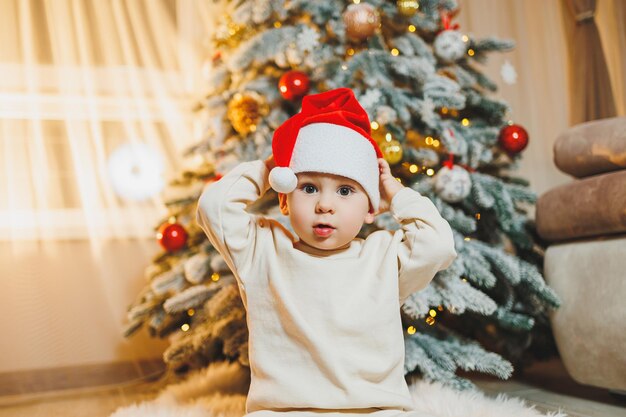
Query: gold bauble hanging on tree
{"type": "Point", "coordinates": [408, 7]}
{"type": "Point", "coordinates": [392, 151]}
{"type": "Point", "coordinates": [379, 134]}
{"type": "Point", "coordinates": [230, 33]}
{"type": "Point", "coordinates": [245, 110]}
{"type": "Point", "coordinates": [361, 21]}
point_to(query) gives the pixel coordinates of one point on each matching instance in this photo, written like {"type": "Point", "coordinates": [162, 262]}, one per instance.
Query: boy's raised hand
{"type": "Point", "coordinates": [388, 185]}
{"type": "Point", "coordinates": [269, 162]}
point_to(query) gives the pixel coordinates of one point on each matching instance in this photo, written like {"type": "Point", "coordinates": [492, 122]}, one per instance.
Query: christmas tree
{"type": "Point", "coordinates": [417, 75]}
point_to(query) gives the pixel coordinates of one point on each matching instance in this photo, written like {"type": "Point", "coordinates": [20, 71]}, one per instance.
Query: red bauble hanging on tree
{"type": "Point", "coordinates": [513, 138]}
{"type": "Point", "coordinates": [293, 84]}
{"type": "Point", "coordinates": [172, 236]}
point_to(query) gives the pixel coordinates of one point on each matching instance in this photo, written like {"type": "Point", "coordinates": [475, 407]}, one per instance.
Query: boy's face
{"type": "Point", "coordinates": [326, 200]}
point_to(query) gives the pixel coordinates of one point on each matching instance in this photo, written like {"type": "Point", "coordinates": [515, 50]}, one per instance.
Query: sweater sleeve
{"type": "Point", "coordinates": [222, 214]}
{"type": "Point", "coordinates": [427, 243]}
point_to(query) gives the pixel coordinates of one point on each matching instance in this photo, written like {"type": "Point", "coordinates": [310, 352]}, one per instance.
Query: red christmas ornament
{"type": "Point", "coordinates": [172, 236]}
{"type": "Point", "coordinates": [293, 84]}
{"type": "Point", "coordinates": [513, 138]}
{"type": "Point", "coordinates": [446, 20]}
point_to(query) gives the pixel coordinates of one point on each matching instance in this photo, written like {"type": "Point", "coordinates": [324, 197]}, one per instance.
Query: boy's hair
{"type": "Point", "coordinates": [331, 134]}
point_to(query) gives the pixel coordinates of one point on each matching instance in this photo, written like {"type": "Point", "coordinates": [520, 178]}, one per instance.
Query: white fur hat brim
{"type": "Point", "coordinates": [331, 149]}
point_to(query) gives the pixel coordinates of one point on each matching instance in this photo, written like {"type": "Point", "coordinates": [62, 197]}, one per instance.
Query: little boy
{"type": "Point", "coordinates": [323, 311]}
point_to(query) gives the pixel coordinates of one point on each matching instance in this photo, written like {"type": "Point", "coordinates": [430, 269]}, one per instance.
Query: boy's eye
{"type": "Point", "coordinates": [345, 191]}
{"type": "Point", "coordinates": [309, 189]}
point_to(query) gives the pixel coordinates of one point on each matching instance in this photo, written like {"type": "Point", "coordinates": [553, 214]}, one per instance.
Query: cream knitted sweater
{"type": "Point", "coordinates": [324, 326]}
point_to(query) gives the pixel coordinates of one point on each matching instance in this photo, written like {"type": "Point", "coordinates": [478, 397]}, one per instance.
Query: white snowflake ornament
{"type": "Point", "coordinates": [508, 73]}
{"type": "Point", "coordinates": [450, 46]}
{"type": "Point", "coordinates": [453, 184]}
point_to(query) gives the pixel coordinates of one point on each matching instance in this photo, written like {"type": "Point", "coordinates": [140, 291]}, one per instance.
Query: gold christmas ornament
{"type": "Point", "coordinates": [408, 7]}
{"type": "Point", "coordinates": [245, 110]}
{"type": "Point", "coordinates": [230, 33]}
{"type": "Point", "coordinates": [392, 151]}
{"type": "Point", "coordinates": [379, 134]}
{"type": "Point", "coordinates": [361, 21]}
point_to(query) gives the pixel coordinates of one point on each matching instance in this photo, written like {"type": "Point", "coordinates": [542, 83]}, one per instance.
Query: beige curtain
{"type": "Point", "coordinates": [590, 83]}
{"type": "Point", "coordinates": [611, 18]}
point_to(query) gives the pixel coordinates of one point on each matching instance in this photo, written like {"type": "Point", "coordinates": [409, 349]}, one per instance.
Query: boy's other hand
{"type": "Point", "coordinates": [388, 185]}
{"type": "Point", "coordinates": [270, 163]}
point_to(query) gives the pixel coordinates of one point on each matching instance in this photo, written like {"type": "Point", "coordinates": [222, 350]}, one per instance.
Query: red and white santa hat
{"type": "Point", "coordinates": [331, 134]}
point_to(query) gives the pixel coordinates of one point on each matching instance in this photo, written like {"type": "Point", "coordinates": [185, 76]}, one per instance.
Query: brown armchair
{"type": "Point", "coordinates": [585, 223]}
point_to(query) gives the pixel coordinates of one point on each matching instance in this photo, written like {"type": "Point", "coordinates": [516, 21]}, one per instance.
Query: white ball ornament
{"type": "Point", "coordinates": [449, 46]}
{"type": "Point", "coordinates": [453, 184]}
{"type": "Point", "coordinates": [283, 180]}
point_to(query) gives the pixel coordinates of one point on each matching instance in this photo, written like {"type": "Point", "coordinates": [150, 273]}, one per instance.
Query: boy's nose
{"type": "Point", "coordinates": [324, 205]}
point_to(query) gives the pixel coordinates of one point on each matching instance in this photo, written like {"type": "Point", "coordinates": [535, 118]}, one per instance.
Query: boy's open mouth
{"type": "Point", "coordinates": [323, 230]}
{"type": "Point", "coordinates": [323, 226]}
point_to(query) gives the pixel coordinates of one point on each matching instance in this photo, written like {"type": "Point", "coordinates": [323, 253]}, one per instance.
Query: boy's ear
{"type": "Point", "coordinates": [369, 217]}
{"type": "Point", "coordinates": [282, 203]}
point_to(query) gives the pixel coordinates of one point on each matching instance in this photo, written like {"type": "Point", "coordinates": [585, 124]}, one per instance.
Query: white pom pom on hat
{"type": "Point", "coordinates": [331, 134]}
{"type": "Point", "coordinates": [283, 180]}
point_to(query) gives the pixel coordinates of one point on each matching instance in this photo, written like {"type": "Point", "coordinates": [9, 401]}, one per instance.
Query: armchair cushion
{"type": "Point", "coordinates": [589, 207]}
{"type": "Point", "coordinates": [592, 148]}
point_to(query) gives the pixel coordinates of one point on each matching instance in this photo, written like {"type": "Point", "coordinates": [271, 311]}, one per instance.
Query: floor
{"type": "Point", "coordinates": [547, 386]}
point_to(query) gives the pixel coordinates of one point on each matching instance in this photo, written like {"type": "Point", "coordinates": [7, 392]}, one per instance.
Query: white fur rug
{"type": "Point", "coordinates": [220, 391]}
